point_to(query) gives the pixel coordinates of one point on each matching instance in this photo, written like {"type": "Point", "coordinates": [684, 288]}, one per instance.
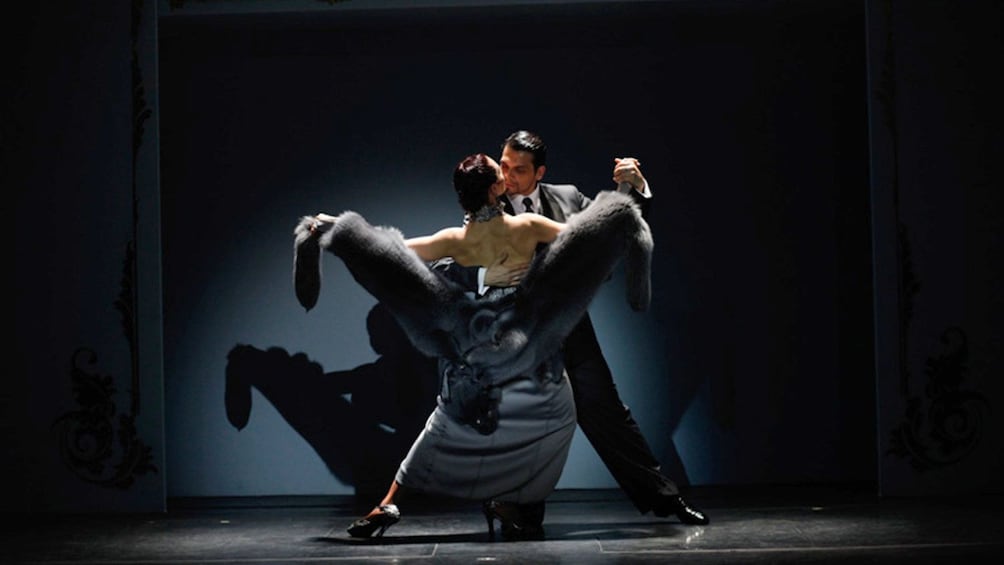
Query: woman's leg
{"type": "Point", "coordinates": [388, 499]}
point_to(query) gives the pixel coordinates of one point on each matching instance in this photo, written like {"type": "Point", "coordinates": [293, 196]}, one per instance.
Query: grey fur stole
{"type": "Point", "coordinates": [498, 338]}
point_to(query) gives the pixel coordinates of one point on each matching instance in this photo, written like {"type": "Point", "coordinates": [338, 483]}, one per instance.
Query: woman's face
{"type": "Point", "coordinates": [499, 188]}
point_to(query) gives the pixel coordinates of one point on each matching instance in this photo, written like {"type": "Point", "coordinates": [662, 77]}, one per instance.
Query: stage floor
{"type": "Point", "coordinates": [795, 524]}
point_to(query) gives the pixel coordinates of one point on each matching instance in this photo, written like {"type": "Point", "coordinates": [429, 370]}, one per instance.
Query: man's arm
{"type": "Point", "coordinates": [627, 175]}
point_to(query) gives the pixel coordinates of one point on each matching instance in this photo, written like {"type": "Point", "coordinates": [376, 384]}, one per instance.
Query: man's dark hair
{"type": "Point", "coordinates": [530, 142]}
{"type": "Point", "coordinates": [472, 180]}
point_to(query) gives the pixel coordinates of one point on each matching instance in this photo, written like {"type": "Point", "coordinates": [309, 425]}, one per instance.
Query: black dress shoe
{"type": "Point", "coordinates": [520, 522]}
{"type": "Point", "coordinates": [685, 512]}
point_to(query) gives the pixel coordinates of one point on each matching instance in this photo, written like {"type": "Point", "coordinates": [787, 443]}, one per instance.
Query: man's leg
{"type": "Point", "coordinates": [613, 432]}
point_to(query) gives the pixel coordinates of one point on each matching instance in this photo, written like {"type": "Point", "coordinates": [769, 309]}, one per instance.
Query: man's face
{"type": "Point", "coordinates": [520, 175]}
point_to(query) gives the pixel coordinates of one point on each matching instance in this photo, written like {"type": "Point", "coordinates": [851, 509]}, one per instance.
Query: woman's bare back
{"type": "Point", "coordinates": [512, 239]}
{"type": "Point", "coordinates": [504, 240]}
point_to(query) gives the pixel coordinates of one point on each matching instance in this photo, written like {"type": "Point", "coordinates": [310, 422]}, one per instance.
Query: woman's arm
{"type": "Point", "coordinates": [428, 247]}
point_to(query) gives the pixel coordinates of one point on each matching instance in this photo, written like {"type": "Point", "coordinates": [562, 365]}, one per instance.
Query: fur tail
{"type": "Point", "coordinates": [306, 264]}
{"type": "Point", "coordinates": [424, 305]}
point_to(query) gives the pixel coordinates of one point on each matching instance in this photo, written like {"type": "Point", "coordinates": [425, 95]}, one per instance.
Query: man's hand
{"type": "Point", "coordinates": [501, 275]}
{"type": "Point", "coordinates": [322, 222]}
{"type": "Point", "coordinates": [627, 169]}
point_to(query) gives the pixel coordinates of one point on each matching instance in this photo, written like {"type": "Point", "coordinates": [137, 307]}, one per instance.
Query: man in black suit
{"type": "Point", "coordinates": [604, 419]}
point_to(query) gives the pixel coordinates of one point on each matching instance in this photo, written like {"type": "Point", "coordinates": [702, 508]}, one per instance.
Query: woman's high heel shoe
{"type": "Point", "coordinates": [364, 527]}
{"type": "Point", "coordinates": [514, 526]}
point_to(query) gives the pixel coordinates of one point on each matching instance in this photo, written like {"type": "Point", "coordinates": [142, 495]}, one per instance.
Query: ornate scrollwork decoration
{"type": "Point", "coordinates": [947, 423]}
{"type": "Point", "coordinates": [87, 436]}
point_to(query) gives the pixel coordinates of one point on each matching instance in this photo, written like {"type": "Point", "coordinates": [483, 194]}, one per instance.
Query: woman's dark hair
{"type": "Point", "coordinates": [529, 142]}
{"type": "Point", "coordinates": [472, 179]}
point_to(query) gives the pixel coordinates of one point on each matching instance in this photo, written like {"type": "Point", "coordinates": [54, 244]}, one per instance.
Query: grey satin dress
{"type": "Point", "coordinates": [519, 461]}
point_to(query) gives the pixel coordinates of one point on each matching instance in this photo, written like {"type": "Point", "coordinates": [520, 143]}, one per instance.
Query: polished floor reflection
{"type": "Point", "coordinates": [797, 524]}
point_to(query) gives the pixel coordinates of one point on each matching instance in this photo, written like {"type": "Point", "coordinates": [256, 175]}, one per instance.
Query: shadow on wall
{"type": "Point", "coordinates": [360, 421]}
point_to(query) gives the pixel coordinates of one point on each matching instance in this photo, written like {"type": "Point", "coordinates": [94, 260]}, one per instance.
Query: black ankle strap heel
{"type": "Point", "coordinates": [364, 527]}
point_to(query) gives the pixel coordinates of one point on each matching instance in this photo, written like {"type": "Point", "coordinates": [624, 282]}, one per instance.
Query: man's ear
{"type": "Point", "coordinates": [540, 172]}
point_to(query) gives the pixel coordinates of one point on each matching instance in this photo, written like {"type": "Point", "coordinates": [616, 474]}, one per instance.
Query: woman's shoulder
{"type": "Point", "coordinates": [517, 223]}
{"type": "Point", "coordinates": [528, 223]}
{"type": "Point", "coordinates": [526, 220]}
{"type": "Point", "coordinates": [533, 227]}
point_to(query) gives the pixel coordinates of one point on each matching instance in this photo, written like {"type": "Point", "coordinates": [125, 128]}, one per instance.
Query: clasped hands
{"type": "Point", "coordinates": [320, 219]}
{"type": "Point", "coordinates": [627, 169]}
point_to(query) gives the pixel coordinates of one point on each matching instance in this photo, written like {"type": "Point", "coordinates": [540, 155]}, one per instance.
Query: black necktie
{"type": "Point", "coordinates": [527, 204]}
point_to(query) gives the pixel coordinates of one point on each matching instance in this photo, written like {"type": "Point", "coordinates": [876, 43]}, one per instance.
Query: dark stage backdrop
{"type": "Point", "coordinates": [755, 362]}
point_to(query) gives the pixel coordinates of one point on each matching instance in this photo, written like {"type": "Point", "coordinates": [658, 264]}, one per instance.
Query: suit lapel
{"type": "Point", "coordinates": [545, 206]}
{"type": "Point", "coordinates": [507, 206]}
{"type": "Point", "coordinates": [548, 206]}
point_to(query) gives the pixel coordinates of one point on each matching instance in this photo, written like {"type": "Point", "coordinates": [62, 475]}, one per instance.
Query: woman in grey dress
{"type": "Point", "coordinates": [505, 416]}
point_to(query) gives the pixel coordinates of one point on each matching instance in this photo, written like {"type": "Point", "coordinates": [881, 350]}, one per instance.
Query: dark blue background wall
{"type": "Point", "coordinates": [755, 363]}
